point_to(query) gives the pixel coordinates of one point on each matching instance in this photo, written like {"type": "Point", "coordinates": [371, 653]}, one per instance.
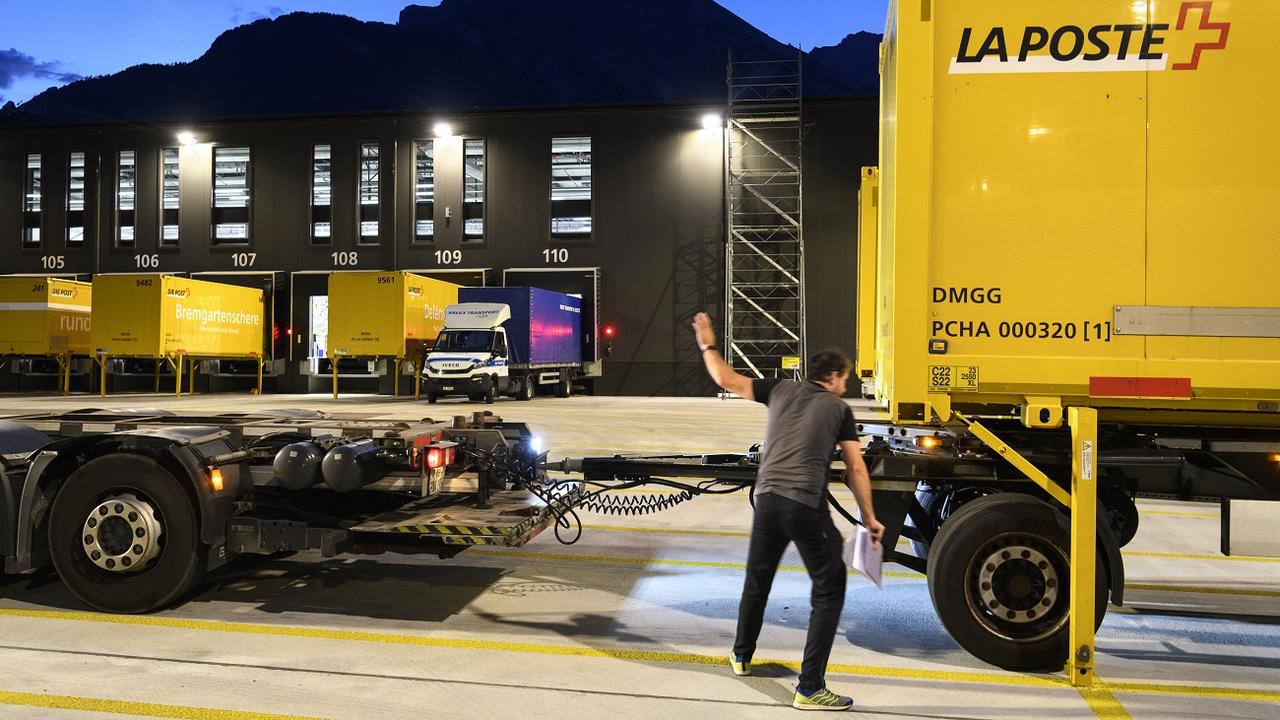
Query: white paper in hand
{"type": "Point", "coordinates": [863, 555]}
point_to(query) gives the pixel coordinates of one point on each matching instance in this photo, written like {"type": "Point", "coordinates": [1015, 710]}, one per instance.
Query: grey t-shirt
{"type": "Point", "coordinates": [805, 422]}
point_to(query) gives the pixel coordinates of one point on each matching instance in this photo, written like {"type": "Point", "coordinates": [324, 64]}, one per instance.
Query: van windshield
{"type": "Point", "coordinates": [464, 341]}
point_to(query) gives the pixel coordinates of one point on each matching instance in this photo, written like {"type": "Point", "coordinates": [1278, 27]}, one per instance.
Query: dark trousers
{"type": "Point", "coordinates": [779, 521]}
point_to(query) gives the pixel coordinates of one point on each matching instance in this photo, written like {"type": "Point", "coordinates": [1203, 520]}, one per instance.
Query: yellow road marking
{"type": "Point", "coordinates": [1216, 693]}
{"type": "Point", "coordinates": [1198, 556]}
{"type": "Point", "coordinates": [1178, 513]}
{"type": "Point", "coordinates": [1103, 703]}
{"type": "Point", "coordinates": [128, 707]}
{"type": "Point", "coordinates": [1203, 590]}
{"type": "Point", "coordinates": [657, 656]}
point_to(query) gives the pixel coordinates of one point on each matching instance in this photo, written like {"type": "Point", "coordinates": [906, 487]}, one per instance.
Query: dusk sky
{"type": "Point", "coordinates": [51, 42]}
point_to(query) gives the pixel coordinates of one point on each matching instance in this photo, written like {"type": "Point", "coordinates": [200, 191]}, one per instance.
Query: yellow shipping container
{"type": "Point", "coordinates": [161, 316]}
{"type": "Point", "coordinates": [385, 314]}
{"type": "Point", "coordinates": [44, 316]}
{"type": "Point", "coordinates": [1075, 210]}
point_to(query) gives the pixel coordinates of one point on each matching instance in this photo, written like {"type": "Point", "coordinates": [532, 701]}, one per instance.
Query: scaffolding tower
{"type": "Point", "coordinates": [764, 263]}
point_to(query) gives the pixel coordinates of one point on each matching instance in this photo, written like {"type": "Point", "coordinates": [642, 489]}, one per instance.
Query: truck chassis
{"type": "Point", "coordinates": [131, 507]}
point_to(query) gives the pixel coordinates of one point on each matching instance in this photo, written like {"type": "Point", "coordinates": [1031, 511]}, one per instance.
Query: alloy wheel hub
{"type": "Point", "coordinates": [1018, 584]}
{"type": "Point", "coordinates": [122, 534]}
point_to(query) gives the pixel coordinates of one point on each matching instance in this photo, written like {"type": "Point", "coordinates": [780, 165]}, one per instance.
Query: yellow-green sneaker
{"type": "Point", "coordinates": [741, 666]}
{"type": "Point", "coordinates": [822, 699]}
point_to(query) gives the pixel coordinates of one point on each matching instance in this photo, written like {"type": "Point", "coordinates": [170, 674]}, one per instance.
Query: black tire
{"type": "Point", "coordinates": [528, 389]}
{"type": "Point", "coordinates": [167, 577]}
{"type": "Point", "coordinates": [491, 394]}
{"type": "Point", "coordinates": [564, 388]}
{"type": "Point", "coordinates": [988, 527]}
{"type": "Point", "coordinates": [432, 398]}
{"type": "Point", "coordinates": [475, 397]}
{"type": "Point", "coordinates": [929, 500]}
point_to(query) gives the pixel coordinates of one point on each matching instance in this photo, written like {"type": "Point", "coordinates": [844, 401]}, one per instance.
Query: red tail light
{"type": "Point", "coordinates": [435, 458]}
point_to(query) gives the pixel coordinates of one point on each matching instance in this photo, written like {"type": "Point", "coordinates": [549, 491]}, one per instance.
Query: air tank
{"type": "Point", "coordinates": [347, 468]}
{"type": "Point", "coordinates": [297, 466]}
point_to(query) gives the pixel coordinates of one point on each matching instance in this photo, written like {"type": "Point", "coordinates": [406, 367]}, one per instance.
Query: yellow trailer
{"type": "Point", "coordinates": [175, 320]}
{"type": "Point", "coordinates": [45, 317]}
{"type": "Point", "coordinates": [385, 315]}
{"type": "Point", "coordinates": [1070, 290]}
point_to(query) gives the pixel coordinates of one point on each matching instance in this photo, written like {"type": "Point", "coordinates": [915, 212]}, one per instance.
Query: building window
{"type": "Point", "coordinates": [473, 191]}
{"type": "Point", "coordinates": [75, 200]}
{"type": "Point", "coordinates": [321, 195]}
{"type": "Point", "coordinates": [169, 197]}
{"type": "Point", "coordinates": [126, 191]}
{"type": "Point", "coordinates": [231, 195]}
{"type": "Point", "coordinates": [424, 192]}
{"type": "Point", "coordinates": [571, 187]}
{"type": "Point", "coordinates": [369, 194]}
{"type": "Point", "coordinates": [31, 204]}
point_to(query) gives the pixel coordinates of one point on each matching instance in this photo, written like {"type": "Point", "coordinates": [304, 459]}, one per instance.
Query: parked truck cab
{"type": "Point", "coordinates": [470, 355]}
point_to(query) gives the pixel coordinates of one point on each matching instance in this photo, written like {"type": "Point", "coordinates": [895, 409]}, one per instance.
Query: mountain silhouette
{"type": "Point", "coordinates": [459, 55]}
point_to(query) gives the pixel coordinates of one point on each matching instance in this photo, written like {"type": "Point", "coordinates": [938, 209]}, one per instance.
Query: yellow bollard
{"type": "Point", "coordinates": [1084, 543]}
{"type": "Point", "coordinates": [335, 376]}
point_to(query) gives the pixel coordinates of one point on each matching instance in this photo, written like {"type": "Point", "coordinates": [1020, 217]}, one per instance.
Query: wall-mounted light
{"type": "Point", "coordinates": [443, 130]}
{"type": "Point", "coordinates": [712, 121]}
{"type": "Point", "coordinates": [187, 138]}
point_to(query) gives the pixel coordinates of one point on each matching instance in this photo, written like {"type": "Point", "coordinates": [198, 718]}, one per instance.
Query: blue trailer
{"type": "Point", "coordinates": [516, 341]}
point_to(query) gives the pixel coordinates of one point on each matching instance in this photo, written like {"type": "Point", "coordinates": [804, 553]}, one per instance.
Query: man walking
{"type": "Point", "coordinates": [806, 420]}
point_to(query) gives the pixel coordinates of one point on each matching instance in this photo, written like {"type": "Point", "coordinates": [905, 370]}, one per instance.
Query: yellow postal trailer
{"type": "Point", "coordinates": [389, 315]}
{"type": "Point", "coordinates": [46, 317]}
{"type": "Point", "coordinates": [175, 319]}
{"type": "Point", "coordinates": [1070, 295]}
{"type": "Point", "coordinates": [1074, 210]}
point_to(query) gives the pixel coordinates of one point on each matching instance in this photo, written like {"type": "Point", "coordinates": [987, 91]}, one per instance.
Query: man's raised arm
{"type": "Point", "coordinates": [719, 370]}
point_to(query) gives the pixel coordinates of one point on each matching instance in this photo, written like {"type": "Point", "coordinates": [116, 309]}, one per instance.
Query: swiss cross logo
{"type": "Point", "coordinates": [1112, 47]}
{"type": "Point", "coordinates": [1222, 29]}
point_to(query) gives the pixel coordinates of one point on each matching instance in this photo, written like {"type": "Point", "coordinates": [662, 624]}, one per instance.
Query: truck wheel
{"type": "Point", "coordinates": [432, 398]}
{"type": "Point", "coordinates": [491, 394]}
{"type": "Point", "coordinates": [124, 535]}
{"type": "Point", "coordinates": [565, 387]}
{"type": "Point", "coordinates": [999, 577]}
{"type": "Point", "coordinates": [527, 388]}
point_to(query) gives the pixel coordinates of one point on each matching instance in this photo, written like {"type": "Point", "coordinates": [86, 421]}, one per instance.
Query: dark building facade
{"type": "Point", "coordinates": [635, 191]}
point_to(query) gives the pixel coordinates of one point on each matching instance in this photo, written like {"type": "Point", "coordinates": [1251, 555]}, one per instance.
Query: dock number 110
{"type": "Point", "coordinates": [556, 255]}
